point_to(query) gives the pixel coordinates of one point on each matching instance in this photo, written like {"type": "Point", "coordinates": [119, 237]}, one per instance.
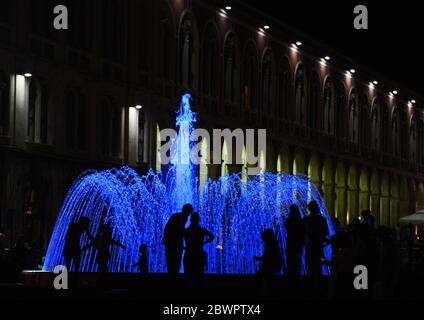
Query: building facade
{"type": "Point", "coordinates": [67, 104]}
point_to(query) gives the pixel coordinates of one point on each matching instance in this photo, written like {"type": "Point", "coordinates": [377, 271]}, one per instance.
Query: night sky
{"type": "Point", "coordinates": [391, 45]}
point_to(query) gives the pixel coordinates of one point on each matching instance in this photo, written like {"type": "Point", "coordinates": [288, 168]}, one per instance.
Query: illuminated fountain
{"type": "Point", "coordinates": [235, 208]}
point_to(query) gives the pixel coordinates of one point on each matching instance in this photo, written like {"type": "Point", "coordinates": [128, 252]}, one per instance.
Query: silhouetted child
{"type": "Point", "coordinates": [103, 241]}
{"type": "Point", "coordinates": [271, 259]}
{"type": "Point", "coordinates": [143, 262]}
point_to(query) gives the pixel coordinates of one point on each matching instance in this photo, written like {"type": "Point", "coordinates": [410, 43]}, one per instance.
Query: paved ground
{"type": "Point", "coordinates": [162, 287]}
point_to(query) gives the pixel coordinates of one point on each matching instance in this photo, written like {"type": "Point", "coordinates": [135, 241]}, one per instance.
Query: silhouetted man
{"type": "Point", "coordinates": [295, 227]}
{"type": "Point", "coordinates": [316, 234]}
{"type": "Point", "coordinates": [72, 250]}
{"type": "Point", "coordinates": [173, 238]}
{"type": "Point", "coordinates": [368, 218]}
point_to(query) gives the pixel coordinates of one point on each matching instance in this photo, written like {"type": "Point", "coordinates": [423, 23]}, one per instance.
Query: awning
{"type": "Point", "coordinates": [416, 218]}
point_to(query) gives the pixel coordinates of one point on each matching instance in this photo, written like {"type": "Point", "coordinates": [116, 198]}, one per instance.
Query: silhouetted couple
{"type": "Point", "coordinates": [194, 236]}
{"type": "Point", "coordinates": [311, 232]}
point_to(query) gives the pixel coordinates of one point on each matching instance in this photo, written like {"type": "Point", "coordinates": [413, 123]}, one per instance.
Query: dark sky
{"type": "Point", "coordinates": [391, 45]}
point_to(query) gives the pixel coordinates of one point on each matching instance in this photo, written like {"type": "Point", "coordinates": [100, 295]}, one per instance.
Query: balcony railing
{"type": "Point", "coordinates": [42, 46]}
{"type": "Point", "coordinates": [111, 70]}
{"type": "Point", "coordinates": [163, 87]}
{"type": "Point", "coordinates": [231, 110]}
{"type": "Point", "coordinates": [79, 59]}
{"type": "Point", "coordinates": [210, 103]}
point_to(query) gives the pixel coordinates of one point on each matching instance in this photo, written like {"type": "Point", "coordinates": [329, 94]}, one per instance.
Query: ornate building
{"type": "Point", "coordinates": [68, 98]}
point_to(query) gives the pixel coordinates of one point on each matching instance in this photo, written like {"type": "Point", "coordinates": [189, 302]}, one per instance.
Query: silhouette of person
{"type": "Point", "coordinates": [72, 249]}
{"type": "Point", "coordinates": [368, 218]}
{"type": "Point", "coordinates": [316, 236]}
{"type": "Point", "coordinates": [143, 262]}
{"type": "Point", "coordinates": [195, 237]}
{"type": "Point", "coordinates": [342, 264]}
{"type": "Point", "coordinates": [102, 242]}
{"type": "Point", "coordinates": [389, 264]}
{"type": "Point", "coordinates": [173, 238]}
{"type": "Point", "coordinates": [271, 258]}
{"type": "Point", "coordinates": [295, 228]}
{"type": "Point", "coordinates": [336, 224]}
{"type": "Point", "coordinates": [410, 242]}
{"type": "Point", "coordinates": [367, 252]}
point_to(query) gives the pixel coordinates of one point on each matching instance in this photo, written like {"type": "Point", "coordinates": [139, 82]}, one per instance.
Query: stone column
{"type": "Point", "coordinates": [384, 210]}
{"type": "Point", "coordinates": [375, 207]}
{"type": "Point", "coordinates": [214, 171]}
{"type": "Point", "coordinates": [234, 168]}
{"type": "Point", "coordinates": [364, 201]}
{"type": "Point", "coordinates": [341, 209]}
{"type": "Point", "coordinates": [329, 198]}
{"type": "Point", "coordinates": [394, 211]}
{"type": "Point", "coordinates": [353, 203]}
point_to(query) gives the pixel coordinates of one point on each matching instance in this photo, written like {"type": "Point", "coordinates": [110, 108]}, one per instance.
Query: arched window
{"type": "Point", "coordinates": [413, 140]}
{"type": "Point", "coordinates": [82, 122]}
{"type": "Point", "coordinates": [375, 125]}
{"type": "Point", "coordinates": [80, 30]}
{"type": "Point", "coordinates": [385, 128]}
{"type": "Point", "coordinates": [6, 20]}
{"type": "Point", "coordinates": [112, 30]}
{"type": "Point", "coordinates": [4, 104]}
{"type": "Point", "coordinates": [267, 84]}
{"type": "Point", "coordinates": [328, 107]}
{"type": "Point", "coordinates": [249, 81]}
{"type": "Point", "coordinates": [6, 12]}
{"type": "Point", "coordinates": [300, 95]}
{"type": "Point", "coordinates": [420, 141]}
{"type": "Point", "coordinates": [144, 40]}
{"type": "Point", "coordinates": [353, 117]}
{"type": "Point", "coordinates": [44, 113]}
{"type": "Point", "coordinates": [395, 131]}
{"type": "Point", "coordinates": [40, 21]}
{"type": "Point", "coordinates": [284, 89]}
{"type": "Point", "coordinates": [404, 136]}
{"type": "Point", "coordinates": [165, 39]}
{"type": "Point", "coordinates": [210, 62]}
{"type": "Point", "coordinates": [230, 71]}
{"type": "Point", "coordinates": [76, 120]}
{"type": "Point", "coordinates": [111, 128]}
{"type": "Point", "coordinates": [33, 101]}
{"type": "Point", "coordinates": [71, 119]}
{"type": "Point", "coordinates": [188, 51]}
{"type": "Point", "coordinates": [341, 113]}
{"type": "Point", "coordinates": [140, 136]}
{"type": "Point", "coordinates": [314, 102]}
{"type": "Point", "coordinates": [365, 122]}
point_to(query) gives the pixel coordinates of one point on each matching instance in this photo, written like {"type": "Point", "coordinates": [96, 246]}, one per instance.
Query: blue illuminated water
{"type": "Point", "coordinates": [234, 210]}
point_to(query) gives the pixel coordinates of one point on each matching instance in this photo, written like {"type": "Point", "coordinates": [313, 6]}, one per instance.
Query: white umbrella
{"type": "Point", "coordinates": [416, 218]}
